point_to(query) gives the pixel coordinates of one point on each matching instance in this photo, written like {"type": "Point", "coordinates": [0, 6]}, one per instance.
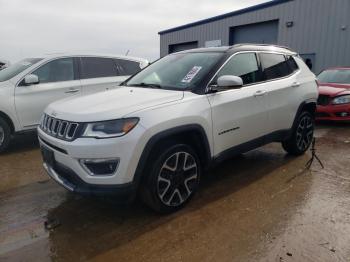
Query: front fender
{"type": "Point", "coordinates": [7, 106]}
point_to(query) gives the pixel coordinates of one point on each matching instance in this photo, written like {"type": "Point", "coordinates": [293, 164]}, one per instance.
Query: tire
{"type": "Point", "coordinates": [5, 135]}
{"type": "Point", "coordinates": [173, 178]}
{"type": "Point", "coordinates": [302, 135]}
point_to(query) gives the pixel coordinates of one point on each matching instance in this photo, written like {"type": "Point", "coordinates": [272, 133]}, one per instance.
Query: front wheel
{"type": "Point", "coordinates": [5, 135]}
{"type": "Point", "coordinates": [302, 135]}
{"type": "Point", "coordinates": [173, 179]}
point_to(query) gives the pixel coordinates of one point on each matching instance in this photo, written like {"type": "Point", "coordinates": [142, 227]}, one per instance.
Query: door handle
{"type": "Point", "coordinates": [295, 84]}
{"type": "Point", "coordinates": [260, 93]}
{"type": "Point", "coordinates": [72, 91]}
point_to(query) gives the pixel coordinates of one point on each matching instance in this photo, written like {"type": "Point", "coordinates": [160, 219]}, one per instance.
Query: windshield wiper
{"type": "Point", "coordinates": [147, 85]}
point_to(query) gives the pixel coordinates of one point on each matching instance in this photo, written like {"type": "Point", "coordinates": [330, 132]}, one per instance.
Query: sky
{"type": "Point", "coordinates": [30, 28]}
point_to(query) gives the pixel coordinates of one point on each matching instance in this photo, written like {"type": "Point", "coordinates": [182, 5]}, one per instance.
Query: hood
{"type": "Point", "coordinates": [112, 104]}
{"type": "Point", "coordinates": [347, 86]}
{"type": "Point", "coordinates": [332, 91]}
{"type": "Point", "coordinates": [5, 84]}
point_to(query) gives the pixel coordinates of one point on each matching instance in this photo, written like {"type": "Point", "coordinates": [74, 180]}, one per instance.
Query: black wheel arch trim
{"type": "Point", "coordinates": [8, 120]}
{"type": "Point", "coordinates": [152, 142]}
{"type": "Point", "coordinates": [302, 106]}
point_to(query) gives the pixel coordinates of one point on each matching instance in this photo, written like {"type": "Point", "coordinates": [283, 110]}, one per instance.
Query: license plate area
{"type": "Point", "coordinates": [48, 156]}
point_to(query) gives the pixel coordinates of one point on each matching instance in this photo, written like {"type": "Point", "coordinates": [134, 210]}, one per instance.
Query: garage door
{"type": "Point", "coordinates": [182, 46]}
{"type": "Point", "coordinates": [260, 33]}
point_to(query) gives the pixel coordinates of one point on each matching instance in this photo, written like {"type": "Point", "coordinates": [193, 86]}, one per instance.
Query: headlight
{"type": "Point", "coordinates": [112, 128]}
{"type": "Point", "coordinates": [341, 100]}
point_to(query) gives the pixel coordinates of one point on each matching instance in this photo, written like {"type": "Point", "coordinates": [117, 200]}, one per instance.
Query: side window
{"type": "Point", "coordinates": [128, 67]}
{"type": "Point", "coordinates": [293, 66]}
{"type": "Point", "coordinates": [274, 66]}
{"type": "Point", "coordinates": [242, 65]}
{"type": "Point", "coordinates": [56, 71]}
{"type": "Point", "coordinates": [95, 67]}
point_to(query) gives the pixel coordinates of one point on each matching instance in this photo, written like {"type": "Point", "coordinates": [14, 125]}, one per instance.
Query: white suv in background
{"type": "Point", "coordinates": [28, 86]}
{"type": "Point", "coordinates": [176, 117]}
{"type": "Point", "coordinates": [4, 64]}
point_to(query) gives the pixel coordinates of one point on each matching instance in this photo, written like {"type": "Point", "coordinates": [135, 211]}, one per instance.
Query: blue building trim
{"type": "Point", "coordinates": [219, 17]}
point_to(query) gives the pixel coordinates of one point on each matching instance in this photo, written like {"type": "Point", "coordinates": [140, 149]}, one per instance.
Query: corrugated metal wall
{"type": "Point", "coordinates": [317, 29]}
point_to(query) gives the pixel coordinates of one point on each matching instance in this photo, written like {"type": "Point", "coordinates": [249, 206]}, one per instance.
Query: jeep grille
{"type": "Point", "coordinates": [58, 128]}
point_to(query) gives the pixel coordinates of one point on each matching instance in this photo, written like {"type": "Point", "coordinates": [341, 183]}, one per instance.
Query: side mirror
{"type": "Point", "coordinates": [31, 80]}
{"type": "Point", "coordinates": [227, 82]}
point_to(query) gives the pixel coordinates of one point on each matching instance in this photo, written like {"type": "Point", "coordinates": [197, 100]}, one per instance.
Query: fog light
{"type": "Point", "coordinates": [342, 114]}
{"type": "Point", "coordinates": [100, 167]}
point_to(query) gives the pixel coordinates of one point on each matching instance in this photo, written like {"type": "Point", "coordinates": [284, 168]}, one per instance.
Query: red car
{"type": "Point", "coordinates": [334, 94]}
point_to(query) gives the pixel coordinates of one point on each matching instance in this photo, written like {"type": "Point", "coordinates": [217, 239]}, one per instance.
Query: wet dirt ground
{"type": "Point", "coordinates": [261, 206]}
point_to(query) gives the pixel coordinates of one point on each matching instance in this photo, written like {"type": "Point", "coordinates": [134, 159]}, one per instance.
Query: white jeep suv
{"type": "Point", "coordinates": [27, 87]}
{"type": "Point", "coordinates": [154, 136]}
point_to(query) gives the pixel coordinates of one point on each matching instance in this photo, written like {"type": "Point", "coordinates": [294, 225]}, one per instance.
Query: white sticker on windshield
{"type": "Point", "coordinates": [194, 71]}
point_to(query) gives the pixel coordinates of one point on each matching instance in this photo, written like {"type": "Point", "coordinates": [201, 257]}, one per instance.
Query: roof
{"type": "Point", "coordinates": [242, 48]}
{"type": "Point", "coordinates": [219, 17]}
{"type": "Point", "coordinates": [206, 49]}
{"type": "Point", "coordinates": [84, 54]}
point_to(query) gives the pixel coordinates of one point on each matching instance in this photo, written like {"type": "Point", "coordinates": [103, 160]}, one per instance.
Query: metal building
{"type": "Point", "coordinates": [317, 29]}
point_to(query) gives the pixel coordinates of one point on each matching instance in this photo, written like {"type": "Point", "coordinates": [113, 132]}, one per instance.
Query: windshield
{"type": "Point", "coordinates": [336, 76]}
{"type": "Point", "coordinates": [177, 71]}
{"type": "Point", "coordinates": [17, 68]}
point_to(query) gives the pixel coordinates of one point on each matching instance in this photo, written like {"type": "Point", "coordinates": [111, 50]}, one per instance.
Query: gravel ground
{"type": "Point", "coordinates": [260, 206]}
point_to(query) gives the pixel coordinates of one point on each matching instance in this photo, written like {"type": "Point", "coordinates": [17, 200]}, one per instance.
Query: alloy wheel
{"type": "Point", "coordinates": [177, 179]}
{"type": "Point", "coordinates": [305, 133]}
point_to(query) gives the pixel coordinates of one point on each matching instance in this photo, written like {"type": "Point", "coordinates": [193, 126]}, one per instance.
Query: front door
{"type": "Point", "coordinates": [239, 115]}
{"type": "Point", "coordinates": [57, 80]}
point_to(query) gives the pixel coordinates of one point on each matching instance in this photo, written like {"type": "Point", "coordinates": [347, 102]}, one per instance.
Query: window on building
{"type": "Point", "coordinates": [242, 65]}
{"type": "Point", "coordinates": [96, 67]}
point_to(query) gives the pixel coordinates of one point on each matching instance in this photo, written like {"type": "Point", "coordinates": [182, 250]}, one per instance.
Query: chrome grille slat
{"type": "Point", "coordinates": [59, 128]}
{"type": "Point", "coordinates": [55, 124]}
{"type": "Point", "coordinates": [45, 122]}
{"type": "Point", "coordinates": [63, 128]}
{"type": "Point", "coordinates": [72, 128]}
{"type": "Point", "coordinates": [48, 125]}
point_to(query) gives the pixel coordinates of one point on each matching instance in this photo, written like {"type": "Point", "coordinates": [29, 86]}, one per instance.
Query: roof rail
{"type": "Point", "coordinates": [243, 44]}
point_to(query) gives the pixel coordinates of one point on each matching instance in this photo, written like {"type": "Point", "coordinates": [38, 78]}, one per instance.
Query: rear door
{"type": "Point", "coordinates": [239, 115]}
{"type": "Point", "coordinates": [280, 73]}
{"type": "Point", "coordinates": [99, 74]}
{"type": "Point", "coordinates": [58, 79]}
